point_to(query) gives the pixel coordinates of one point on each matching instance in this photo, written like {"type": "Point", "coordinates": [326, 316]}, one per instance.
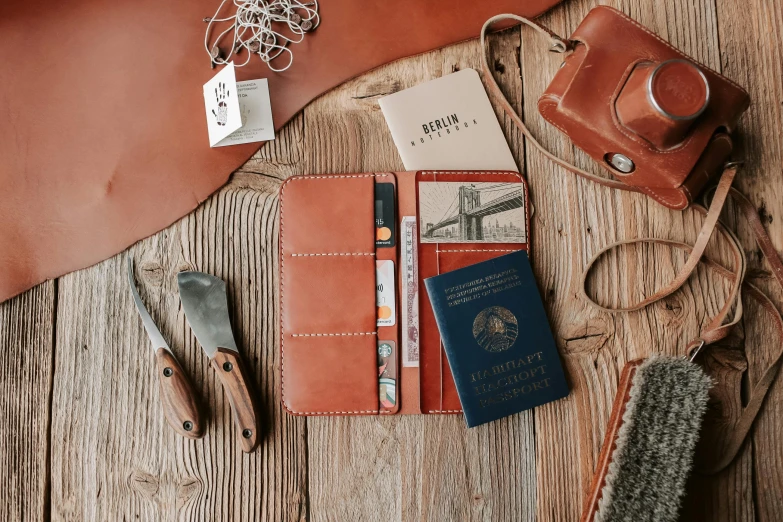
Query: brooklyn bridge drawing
{"type": "Point", "coordinates": [472, 212]}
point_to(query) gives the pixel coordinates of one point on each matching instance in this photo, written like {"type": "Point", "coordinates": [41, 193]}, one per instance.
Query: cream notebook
{"type": "Point", "coordinates": [447, 124]}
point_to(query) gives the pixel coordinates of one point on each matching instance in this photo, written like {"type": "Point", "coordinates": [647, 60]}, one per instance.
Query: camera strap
{"type": "Point", "coordinates": [718, 327]}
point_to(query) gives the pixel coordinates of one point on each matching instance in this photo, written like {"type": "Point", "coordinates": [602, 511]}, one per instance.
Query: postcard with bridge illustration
{"type": "Point", "coordinates": [461, 212]}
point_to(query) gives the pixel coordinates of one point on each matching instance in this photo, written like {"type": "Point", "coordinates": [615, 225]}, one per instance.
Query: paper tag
{"type": "Point", "coordinates": [256, 112]}
{"type": "Point", "coordinates": [222, 105]}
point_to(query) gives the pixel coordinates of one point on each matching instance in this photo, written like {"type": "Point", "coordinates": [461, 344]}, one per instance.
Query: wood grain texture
{"type": "Point", "coordinates": [751, 43]}
{"type": "Point", "coordinates": [181, 404]}
{"type": "Point", "coordinates": [102, 451]}
{"type": "Point", "coordinates": [27, 343]}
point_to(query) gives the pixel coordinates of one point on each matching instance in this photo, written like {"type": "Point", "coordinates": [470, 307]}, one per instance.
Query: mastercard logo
{"type": "Point", "coordinates": [382, 234]}
{"type": "Point", "coordinates": [384, 312]}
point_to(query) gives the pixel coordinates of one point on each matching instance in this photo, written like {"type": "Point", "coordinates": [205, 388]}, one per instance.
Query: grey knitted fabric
{"type": "Point", "coordinates": [655, 444]}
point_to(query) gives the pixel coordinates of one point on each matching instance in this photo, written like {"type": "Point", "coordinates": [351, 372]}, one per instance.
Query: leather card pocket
{"type": "Point", "coordinates": [438, 391]}
{"type": "Point", "coordinates": [330, 375]}
{"type": "Point", "coordinates": [452, 257]}
{"type": "Point", "coordinates": [330, 294]}
{"type": "Point", "coordinates": [328, 339]}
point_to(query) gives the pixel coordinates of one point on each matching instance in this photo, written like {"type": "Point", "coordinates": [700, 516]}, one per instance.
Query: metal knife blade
{"type": "Point", "coordinates": [154, 334]}
{"type": "Point", "coordinates": [205, 302]}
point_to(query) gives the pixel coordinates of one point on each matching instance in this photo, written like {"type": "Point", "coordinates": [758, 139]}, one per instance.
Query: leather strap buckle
{"type": "Point", "coordinates": [695, 350]}
{"type": "Point", "coordinates": [558, 45]}
{"type": "Point", "coordinates": [733, 164]}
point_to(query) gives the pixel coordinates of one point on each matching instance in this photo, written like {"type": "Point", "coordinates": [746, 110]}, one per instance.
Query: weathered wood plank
{"type": "Point", "coordinates": [113, 455]}
{"type": "Point", "coordinates": [424, 467]}
{"type": "Point", "coordinates": [27, 345]}
{"type": "Point", "coordinates": [752, 54]}
{"type": "Point", "coordinates": [574, 220]}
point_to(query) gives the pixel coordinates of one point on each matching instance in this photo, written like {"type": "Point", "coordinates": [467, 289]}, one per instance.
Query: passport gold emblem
{"type": "Point", "coordinates": [495, 329]}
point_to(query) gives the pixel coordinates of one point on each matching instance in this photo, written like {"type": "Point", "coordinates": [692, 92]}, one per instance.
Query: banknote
{"type": "Point", "coordinates": [409, 275]}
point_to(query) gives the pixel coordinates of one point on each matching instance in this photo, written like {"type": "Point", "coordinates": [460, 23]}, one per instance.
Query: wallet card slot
{"type": "Point", "coordinates": [430, 349]}
{"type": "Point", "coordinates": [409, 385]}
{"type": "Point", "coordinates": [330, 375]}
{"type": "Point", "coordinates": [326, 216]}
{"type": "Point", "coordinates": [386, 332]}
{"type": "Point", "coordinates": [333, 295]}
{"type": "Point", "coordinates": [327, 295]}
{"type": "Point", "coordinates": [452, 257]}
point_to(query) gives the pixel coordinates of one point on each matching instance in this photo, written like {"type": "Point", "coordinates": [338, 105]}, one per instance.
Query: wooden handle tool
{"type": "Point", "coordinates": [179, 400]}
{"type": "Point", "coordinates": [232, 375]}
{"type": "Point", "coordinates": [180, 405]}
{"type": "Point", "coordinates": [205, 302]}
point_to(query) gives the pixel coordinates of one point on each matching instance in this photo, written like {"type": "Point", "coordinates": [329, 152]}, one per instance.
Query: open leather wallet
{"type": "Point", "coordinates": [328, 294]}
{"type": "Point", "coordinates": [104, 139]}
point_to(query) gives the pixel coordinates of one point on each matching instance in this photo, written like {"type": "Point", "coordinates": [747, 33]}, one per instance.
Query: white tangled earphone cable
{"type": "Point", "coordinates": [255, 30]}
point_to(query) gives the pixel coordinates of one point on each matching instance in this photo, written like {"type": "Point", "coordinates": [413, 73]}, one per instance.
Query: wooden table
{"type": "Point", "coordinates": [83, 437]}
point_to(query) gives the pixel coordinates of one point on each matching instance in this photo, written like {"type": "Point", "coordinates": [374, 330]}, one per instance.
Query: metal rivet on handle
{"type": "Point", "coordinates": [187, 425]}
{"type": "Point", "coordinates": [168, 372]}
{"type": "Point", "coordinates": [227, 366]}
{"type": "Point", "coordinates": [247, 433]}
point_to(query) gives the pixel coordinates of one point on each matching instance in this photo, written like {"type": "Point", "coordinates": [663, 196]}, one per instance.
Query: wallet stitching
{"type": "Point", "coordinates": [294, 412]}
{"type": "Point", "coordinates": [332, 176]}
{"type": "Point", "coordinates": [282, 272]}
{"type": "Point", "coordinates": [490, 250]}
{"type": "Point", "coordinates": [341, 334]}
{"type": "Point", "coordinates": [445, 411]}
{"type": "Point", "coordinates": [334, 254]}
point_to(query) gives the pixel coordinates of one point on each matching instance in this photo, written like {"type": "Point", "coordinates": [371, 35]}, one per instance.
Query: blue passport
{"type": "Point", "coordinates": [497, 338]}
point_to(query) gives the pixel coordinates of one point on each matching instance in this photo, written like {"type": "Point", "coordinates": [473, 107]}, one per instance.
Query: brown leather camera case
{"type": "Point", "coordinates": [582, 99]}
{"type": "Point", "coordinates": [328, 332]}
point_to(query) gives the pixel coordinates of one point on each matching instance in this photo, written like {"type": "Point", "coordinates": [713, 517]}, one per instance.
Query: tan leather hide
{"type": "Point", "coordinates": [104, 139]}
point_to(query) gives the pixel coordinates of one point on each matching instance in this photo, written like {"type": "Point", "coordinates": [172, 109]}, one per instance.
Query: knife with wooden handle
{"type": "Point", "coordinates": [205, 302]}
{"type": "Point", "coordinates": [180, 405]}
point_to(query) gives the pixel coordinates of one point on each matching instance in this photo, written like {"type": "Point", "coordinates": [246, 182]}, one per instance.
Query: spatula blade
{"type": "Point", "coordinates": [205, 303]}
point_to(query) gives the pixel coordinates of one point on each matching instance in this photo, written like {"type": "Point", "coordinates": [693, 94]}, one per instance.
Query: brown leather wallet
{"type": "Point", "coordinates": [328, 332]}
